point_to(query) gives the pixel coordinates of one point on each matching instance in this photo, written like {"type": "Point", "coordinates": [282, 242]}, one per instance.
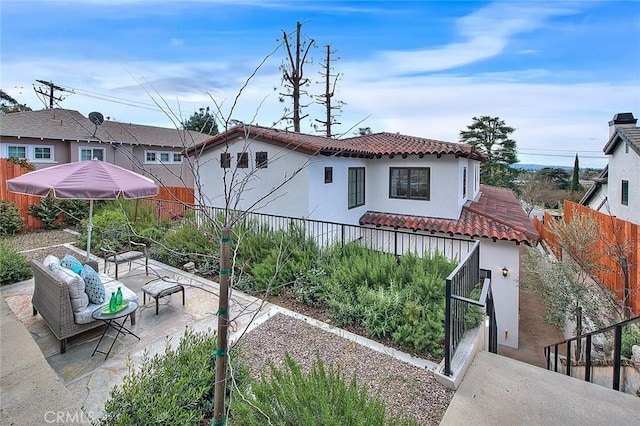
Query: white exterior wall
{"type": "Point", "coordinates": [329, 201]}
{"type": "Point", "coordinates": [506, 293]}
{"type": "Point", "coordinates": [597, 199]}
{"type": "Point", "coordinates": [444, 185]}
{"type": "Point", "coordinates": [624, 165]}
{"type": "Point", "coordinates": [289, 200]}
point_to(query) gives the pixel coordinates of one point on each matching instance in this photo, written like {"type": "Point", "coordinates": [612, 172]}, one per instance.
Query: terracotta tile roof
{"type": "Point", "coordinates": [65, 124]}
{"type": "Point", "coordinates": [368, 146]}
{"type": "Point", "coordinates": [497, 214]}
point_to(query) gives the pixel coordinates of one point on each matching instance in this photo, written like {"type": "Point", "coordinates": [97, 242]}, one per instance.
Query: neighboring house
{"type": "Point", "coordinates": [383, 180]}
{"type": "Point", "coordinates": [617, 190]}
{"type": "Point", "coordinates": [54, 136]}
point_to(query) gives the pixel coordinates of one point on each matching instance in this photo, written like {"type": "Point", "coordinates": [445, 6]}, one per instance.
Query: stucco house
{"type": "Point", "coordinates": [379, 181]}
{"type": "Point", "coordinates": [54, 136]}
{"type": "Point", "coordinates": [617, 190]}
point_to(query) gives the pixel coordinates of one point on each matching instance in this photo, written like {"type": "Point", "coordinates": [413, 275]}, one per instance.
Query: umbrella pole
{"type": "Point", "coordinates": [89, 229]}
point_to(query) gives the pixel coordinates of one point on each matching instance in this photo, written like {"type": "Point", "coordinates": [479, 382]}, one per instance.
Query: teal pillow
{"type": "Point", "coordinates": [70, 262]}
{"type": "Point", "coordinates": [93, 285]}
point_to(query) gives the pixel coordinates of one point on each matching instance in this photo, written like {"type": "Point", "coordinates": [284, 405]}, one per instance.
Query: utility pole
{"type": "Point", "coordinates": [329, 91]}
{"type": "Point", "coordinates": [52, 88]}
{"type": "Point", "coordinates": [222, 352]}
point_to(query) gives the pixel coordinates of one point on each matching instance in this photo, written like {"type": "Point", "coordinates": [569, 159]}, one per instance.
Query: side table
{"type": "Point", "coordinates": [111, 320]}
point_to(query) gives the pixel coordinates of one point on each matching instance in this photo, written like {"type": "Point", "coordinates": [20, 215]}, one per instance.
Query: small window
{"type": "Point", "coordinates": [410, 182]}
{"type": "Point", "coordinates": [225, 160]}
{"type": "Point", "coordinates": [177, 158]}
{"type": "Point", "coordinates": [261, 160]}
{"type": "Point", "coordinates": [243, 160]}
{"type": "Point", "coordinates": [164, 157]}
{"type": "Point", "coordinates": [151, 157]}
{"type": "Point", "coordinates": [355, 187]}
{"type": "Point", "coordinates": [464, 182]}
{"type": "Point", "coordinates": [19, 152]}
{"type": "Point", "coordinates": [328, 174]}
{"type": "Point", "coordinates": [42, 153]}
{"type": "Point", "coordinates": [625, 193]}
{"type": "Point", "coordinates": [91, 153]}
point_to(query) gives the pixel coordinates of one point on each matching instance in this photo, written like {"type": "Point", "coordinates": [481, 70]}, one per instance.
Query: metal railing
{"type": "Point", "coordinates": [583, 347]}
{"type": "Point", "coordinates": [459, 285]}
{"type": "Point", "coordinates": [325, 233]}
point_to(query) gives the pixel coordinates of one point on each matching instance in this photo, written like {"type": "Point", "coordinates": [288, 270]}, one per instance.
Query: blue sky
{"type": "Point", "coordinates": [556, 71]}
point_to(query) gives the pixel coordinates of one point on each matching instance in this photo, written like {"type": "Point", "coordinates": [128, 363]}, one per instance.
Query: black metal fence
{"type": "Point", "coordinates": [580, 350]}
{"type": "Point", "coordinates": [460, 283]}
{"type": "Point", "coordinates": [325, 234]}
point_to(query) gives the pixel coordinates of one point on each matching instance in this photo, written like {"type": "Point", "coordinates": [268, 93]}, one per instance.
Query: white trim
{"type": "Point", "coordinates": [30, 154]}
{"type": "Point", "coordinates": [80, 149]}
{"type": "Point", "coordinates": [158, 157]}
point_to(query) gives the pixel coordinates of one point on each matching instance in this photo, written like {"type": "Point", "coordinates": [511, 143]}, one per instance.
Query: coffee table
{"type": "Point", "coordinates": [111, 320]}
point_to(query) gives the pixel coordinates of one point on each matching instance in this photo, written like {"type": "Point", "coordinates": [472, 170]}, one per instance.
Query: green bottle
{"type": "Point", "coordinates": [112, 303]}
{"type": "Point", "coordinates": [119, 297]}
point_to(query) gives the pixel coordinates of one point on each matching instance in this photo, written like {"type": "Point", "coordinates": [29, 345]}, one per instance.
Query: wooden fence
{"type": "Point", "coordinates": [619, 238]}
{"type": "Point", "coordinates": [9, 170]}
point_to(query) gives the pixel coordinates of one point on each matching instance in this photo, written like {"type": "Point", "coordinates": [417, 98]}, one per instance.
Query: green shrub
{"type": "Point", "coordinates": [14, 266]}
{"type": "Point", "coordinates": [307, 288]}
{"type": "Point", "coordinates": [10, 220]}
{"type": "Point", "coordinates": [321, 397]}
{"type": "Point", "coordinates": [190, 243]}
{"type": "Point", "coordinates": [22, 163]}
{"type": "Point", "coordinates": [48, 211]}
{"type": "Point", "coordinates": [630, 337]}
{"type": "Point", "coordinates": [172, 388]}
{"type": "Point", "coordinates": [475, 314]}
{"type": "Point", "coordinates": [110, 230]}
{"type": "Point", "coordinates": [74, 211]}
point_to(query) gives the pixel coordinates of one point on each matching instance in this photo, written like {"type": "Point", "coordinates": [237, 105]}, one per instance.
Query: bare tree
{"type": "Point", "coordinates": [293, 74]}
{"type": "Point", "coordinates": [330, 82]}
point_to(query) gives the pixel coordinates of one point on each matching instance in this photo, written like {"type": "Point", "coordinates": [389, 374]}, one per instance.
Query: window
{"type": "Point", "coordinates": [464, 182]}
{"type": "Point", "coordinates": [328, 174]}
{"type": "Point", "coordinates": [243, 160]}
{"type": "Point", "coordinates": [164, 157]}
{"type": "Point", "coordinates": [91, 153]}
{"type": "Point", "coordinates": [625, 193]}
{"type": "Point", "coordinates": [42, 153]}
{"type": "Point", "coordinates": [19, 152]}
{"type": "Point", "coordinates": [225, 160]}
{"type": "Point", "coordinates": [356, 187]}
{"type": "Point", "coordinates": [409, 182]}
{"type": "Point", "coordinates": [261, 160]}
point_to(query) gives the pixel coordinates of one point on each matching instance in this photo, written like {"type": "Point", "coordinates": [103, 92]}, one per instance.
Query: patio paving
{"type": "Point", "coordinates": [90, 378]}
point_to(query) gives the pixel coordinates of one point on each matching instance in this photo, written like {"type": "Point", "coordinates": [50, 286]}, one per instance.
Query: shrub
{"type": "Point", "coordinates": [74, 211]}
{"type": "Point", "coordinates": [110, 229]}
{"type": "Point", "coordinates": [190, 243]}
{"type": "Point", "coordinates": [48, 211]}
{"type": "Point", "coordinates": [307, 288]}
{"type": "Point", "coordinates": [22, 163]}
{"type": "Point", "coordinates": [321, 397]}
{"type": "Point", "coordinates": [172, 388]}
{"type": "Point", "coordinates": [14, 266]}
{"type": "Point", "coordinates": [474, 314]}
{"type": "Point", "coordinates": [630, 337]}
{"type": "Point", "coordinates": [10, 220]}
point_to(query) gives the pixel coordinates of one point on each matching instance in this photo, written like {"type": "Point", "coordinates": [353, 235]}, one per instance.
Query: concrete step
{"type": "Point", "coordinates": [497, 391]}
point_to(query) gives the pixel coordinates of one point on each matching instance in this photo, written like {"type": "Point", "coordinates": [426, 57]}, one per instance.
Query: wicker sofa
{"type": "Point", "coordinates": [51, 299]}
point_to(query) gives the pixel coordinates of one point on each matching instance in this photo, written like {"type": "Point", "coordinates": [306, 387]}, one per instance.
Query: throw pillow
{"type": "Point", "coordinates": [51, 262]}
{"type": "Point", "coordinates": [93, 285]}
{"type": "Point", "coordinates": [75, 284]}
{"type": "Point", "coordinates": [70, 262]}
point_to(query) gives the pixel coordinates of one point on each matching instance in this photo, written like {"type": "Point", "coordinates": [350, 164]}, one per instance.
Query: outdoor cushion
{"type": "Point", "coordinates": [69, 261]}
{"type": "Point", "coordinates": [75, 284]}
{"type": "Point", "coordinates": [51, 262]}
{"type": "Point", "coordinates": [110, 286]}
{"type": "Point", "coordinates": [93, 285]}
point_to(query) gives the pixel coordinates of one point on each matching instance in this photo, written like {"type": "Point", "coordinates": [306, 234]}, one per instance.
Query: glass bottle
{"type": "Point", "coordinates": [112, 302]}
{"type": "Point", "coordinates": [119, 297]}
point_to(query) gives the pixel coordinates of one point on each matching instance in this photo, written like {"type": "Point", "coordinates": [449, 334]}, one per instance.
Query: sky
{"type": "Point", "coordinates": [555, 71]}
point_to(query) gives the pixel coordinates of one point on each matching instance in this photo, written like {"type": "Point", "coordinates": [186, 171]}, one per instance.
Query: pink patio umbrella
{"type": "Point", "coordinates": [84, 180]}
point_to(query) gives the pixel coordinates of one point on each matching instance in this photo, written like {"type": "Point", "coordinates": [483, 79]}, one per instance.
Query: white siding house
{"type": "Point", "coordinates": [380, 181]}
{"type": "Point", "coordinates": [617, 189]}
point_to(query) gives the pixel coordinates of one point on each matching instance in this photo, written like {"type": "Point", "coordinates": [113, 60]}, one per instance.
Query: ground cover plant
{"type": "Point", "coordinates": [323, 396]}
{"type": "Point", "coordinates": [14, 266]}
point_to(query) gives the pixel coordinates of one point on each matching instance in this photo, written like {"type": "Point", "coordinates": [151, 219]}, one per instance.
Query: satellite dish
{"type": "Point", "coordinates": [96, 118]}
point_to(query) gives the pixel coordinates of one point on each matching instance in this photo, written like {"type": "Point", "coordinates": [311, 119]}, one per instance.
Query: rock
{"type": "Point", "coordinates": [635, 351]}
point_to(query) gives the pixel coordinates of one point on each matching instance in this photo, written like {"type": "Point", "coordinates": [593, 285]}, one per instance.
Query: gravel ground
{"type": "Point", "coordinates": [404, 388]}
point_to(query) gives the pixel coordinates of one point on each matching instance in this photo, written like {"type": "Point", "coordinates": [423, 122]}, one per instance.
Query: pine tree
{"type": "Point", "coordinates": [575, 179]}
{"type": "Point", "coordinates": [491, 137]}
{"type": "Point", "coordinates": [201, 121]}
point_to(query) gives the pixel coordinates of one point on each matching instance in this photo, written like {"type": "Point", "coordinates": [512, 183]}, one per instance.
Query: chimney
{"type": "Point", "coordinates": [622, 120]}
